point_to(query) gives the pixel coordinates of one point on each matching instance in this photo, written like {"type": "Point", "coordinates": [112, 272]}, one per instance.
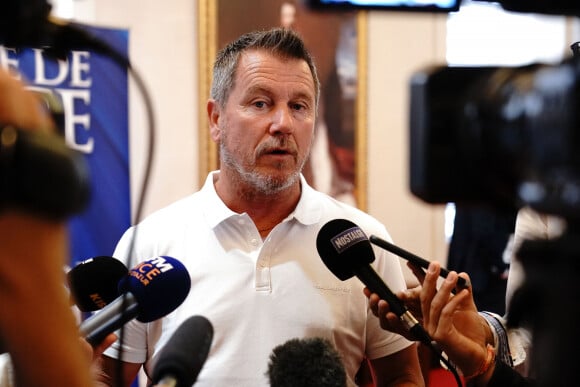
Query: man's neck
{"type": "Point", "coordinates": [265, 209]}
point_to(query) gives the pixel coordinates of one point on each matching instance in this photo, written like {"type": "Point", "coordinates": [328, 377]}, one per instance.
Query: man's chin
{"type": "Point", "coordinates": [274, 182]}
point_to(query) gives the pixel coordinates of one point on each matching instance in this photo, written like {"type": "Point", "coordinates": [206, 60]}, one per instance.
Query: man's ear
{"type": "Point", "coordinates": [213, 115]}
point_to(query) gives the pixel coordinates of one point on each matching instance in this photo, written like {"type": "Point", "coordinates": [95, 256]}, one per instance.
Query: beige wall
{"type": "Point", "coordinates": [399, 44]}
{"type": "Point", "coordinates": [163, 48]}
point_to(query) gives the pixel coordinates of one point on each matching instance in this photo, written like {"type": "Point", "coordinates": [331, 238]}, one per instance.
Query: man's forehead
{"type": "Point", "coordinates": [264, 55]}
{"type": "Point", "coordinates": [256, 61]}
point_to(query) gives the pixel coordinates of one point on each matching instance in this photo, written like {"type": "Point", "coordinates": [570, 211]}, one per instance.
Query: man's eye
{"type": "Point", "coordinates": [259, 104]}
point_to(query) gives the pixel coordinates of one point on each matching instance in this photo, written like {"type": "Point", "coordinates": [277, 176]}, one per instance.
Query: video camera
{"type": "Point", "coordinates": [499, 135]}
{"type": "Point", "coordinates": [509, 137]}
{"type": "Point", "coordinates": [551, 7]}
{"type": "Point", "coordinates": [504, 138]}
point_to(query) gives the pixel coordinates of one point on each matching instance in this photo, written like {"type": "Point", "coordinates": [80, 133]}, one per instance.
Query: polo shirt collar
{"type": "Point", "coordinates": [307, 210]}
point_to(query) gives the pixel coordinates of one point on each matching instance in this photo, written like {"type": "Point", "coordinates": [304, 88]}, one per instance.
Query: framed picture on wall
{"type": "Point", "coordinates": [337, 41]}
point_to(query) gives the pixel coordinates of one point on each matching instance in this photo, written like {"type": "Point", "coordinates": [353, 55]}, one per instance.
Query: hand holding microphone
{"type": "Point", "coordinates": [151, 290]}
{"type": "Point", "coordinates": [347, 252]}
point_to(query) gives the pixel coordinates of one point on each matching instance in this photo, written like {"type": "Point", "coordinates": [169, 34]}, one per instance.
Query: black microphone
{"type": "Point", "coordinates": [414, 259]}
{"type": "Point", "coordinates": [22, 21]}
{"type": "Point", "coordinates": [346, 251]}
{"type": "Point", "coordinates": [29, 23]}
{"type": "Point", "coordinates": [94, 283]}
{"type": "Point", "coordinates": [40, 174]}
{"type": "Point", "coordinates": [303, 362]}
{"type": "Point", "coordinates": [184, 354]}
{"type": "Point", "coordinates": [153, 289]}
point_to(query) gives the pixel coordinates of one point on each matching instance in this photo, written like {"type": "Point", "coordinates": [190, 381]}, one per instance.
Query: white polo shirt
{"type": "Point", "coordinates": [258, 294]}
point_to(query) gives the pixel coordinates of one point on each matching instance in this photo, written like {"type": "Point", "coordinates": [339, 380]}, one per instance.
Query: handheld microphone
{"type": "Point", "coordinates": [29, 23]}
{"type": "Point", "coordinates": [347, 252]}
{"type": "Point", "coordinates": [153, 289]}
{"type": "Point", "coordinates": [40, 174]}
{"type": "Point", "coordinates": [414, 259]}
{"type": "Point", "coordinates": [93, 283]}
{"type": "Point", "coordinates": [183, 356]}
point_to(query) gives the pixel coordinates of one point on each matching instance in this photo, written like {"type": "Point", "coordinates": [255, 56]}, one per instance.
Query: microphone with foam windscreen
{"type": "Point", "coordinates": [303, 362]}
{"type": "Point", "coordinates": [184, 354]}
{"type": "Point", "coordinates": [151, 290]}
{"type": "Point", "coordinates": [347, 252]}
{"type": "Point", "coordinates": [94, 283]}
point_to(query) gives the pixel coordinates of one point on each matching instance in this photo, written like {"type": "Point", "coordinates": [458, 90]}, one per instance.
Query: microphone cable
{"type": "Point", "coordinates": [446, 363]}
{"type": "Point", "coordinates": [29, 24]}
{"type": "Point", "coordinates": [142, 195]}
{"type": "Point", "coordinates": [70, 36]}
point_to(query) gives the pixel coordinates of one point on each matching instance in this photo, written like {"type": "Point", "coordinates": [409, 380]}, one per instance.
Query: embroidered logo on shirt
{"type": "Point", "coordinates": [334, 288]}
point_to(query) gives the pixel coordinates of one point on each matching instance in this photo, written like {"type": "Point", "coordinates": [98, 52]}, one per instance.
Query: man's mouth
{"type": "Point", "coordinates": [279, 152]}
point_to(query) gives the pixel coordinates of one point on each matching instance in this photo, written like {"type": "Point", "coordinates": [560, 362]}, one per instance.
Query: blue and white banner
{"type": "Point", "coordinates": [94, 92]}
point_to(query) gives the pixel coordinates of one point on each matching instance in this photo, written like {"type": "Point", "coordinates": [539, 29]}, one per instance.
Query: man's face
{"type": "Point", "coordinates": [266, 127]}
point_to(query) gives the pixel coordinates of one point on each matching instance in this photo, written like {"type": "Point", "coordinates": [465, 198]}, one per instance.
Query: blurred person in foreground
{"type": "Point", "coordinates": [38, 330]}
{"type": "Point", "coordinates": [248, 237]}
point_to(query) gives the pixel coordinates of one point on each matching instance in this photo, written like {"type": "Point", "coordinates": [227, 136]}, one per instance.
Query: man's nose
{"type": "Point", "coordinates": [282, 121]}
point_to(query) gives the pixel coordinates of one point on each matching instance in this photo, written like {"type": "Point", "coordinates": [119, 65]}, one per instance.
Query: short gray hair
{"type": "Point", "coordinates": [281, 42]}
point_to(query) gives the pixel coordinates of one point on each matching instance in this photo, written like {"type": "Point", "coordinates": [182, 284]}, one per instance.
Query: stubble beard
{"type": "Point", "coordinates": [261, 183]}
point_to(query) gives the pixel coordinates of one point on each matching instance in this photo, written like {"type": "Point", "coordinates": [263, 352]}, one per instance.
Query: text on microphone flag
{"type": "Point", "coordinates": [347, 238]}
